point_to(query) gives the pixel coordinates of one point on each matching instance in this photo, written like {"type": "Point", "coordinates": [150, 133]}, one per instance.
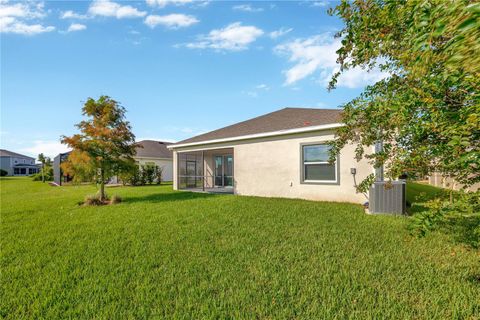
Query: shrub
{"type": "Point", "coordinates": [142, 175]}
{"type": "Point", "coordinates": [148, 173]}
{"type": "Point", "coordinates": [47, 172]}
{"type": "Point", "coordinates": [158, 174]}
{"type": "Point", "coordinates": [132, 176]}
{"type": "Point", "coordinates": [463, 209]}
{"type": "Point", "coordinates": [3, 173]}
{"type": "Point", "coordinates": [93, 200]}
{"type": "Point", "coordinates": [428, 220]}
{"type": "Point", "coordinates": [37, 177]}
{"type": "Point", "coordinates": [115, 199]}
{"type": "Point", "coordinates": [476, 237]}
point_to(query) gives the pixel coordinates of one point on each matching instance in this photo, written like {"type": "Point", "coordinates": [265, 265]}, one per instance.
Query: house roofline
{"type": "Point", "coordinates": [152, 158]}
{"type": "Point", "coordinates": [258, 135]}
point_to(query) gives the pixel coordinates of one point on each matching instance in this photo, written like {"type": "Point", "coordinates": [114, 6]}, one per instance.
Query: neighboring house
{"type": "Point", "coordinates": [58, 176]}
{"type": "Point", "coordinates": [17, 164]}
{"type": "Point", "coordinates": [151, 152]}
{"type": "Point", "coordinates": [280, 154]}
{"type": "Point", "coordinates": [438, 180]}
{"type": "Point", "coordinates": [156, 153]}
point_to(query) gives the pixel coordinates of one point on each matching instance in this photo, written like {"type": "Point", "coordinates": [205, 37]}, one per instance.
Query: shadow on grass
{"type": "Point", "coordinates": [11, 178]}
{"type": "Point", "coordinates": [169, 197]}
{"type": "Point", "coordinates": [462, 229]}
{"type": "Point", "coordinates": [474, 278]}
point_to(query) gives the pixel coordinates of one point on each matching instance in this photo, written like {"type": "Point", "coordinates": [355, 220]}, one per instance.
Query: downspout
{"type": "Point", "coordinates": [379, 170]}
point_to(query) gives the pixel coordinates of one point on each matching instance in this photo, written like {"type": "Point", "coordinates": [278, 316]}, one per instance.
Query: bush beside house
{"type": "Point", "coordinates": [142, 175]}
{"type": "Point", "coordinates": [47, 174]}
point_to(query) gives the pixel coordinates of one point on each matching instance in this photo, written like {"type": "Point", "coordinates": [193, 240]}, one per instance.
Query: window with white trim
{"type": "Point", "coordinates": [315, 164]}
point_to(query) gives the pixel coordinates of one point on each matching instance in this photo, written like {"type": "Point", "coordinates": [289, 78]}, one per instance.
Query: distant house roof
{"type": "Point", "coordinates": [6, 153]}
{"type": "Point", "coordinates": [154, 149]}
{"type": "Point", "coordinates": [149, 149]}
{"type": "Point", "coordinates": [284, 119]}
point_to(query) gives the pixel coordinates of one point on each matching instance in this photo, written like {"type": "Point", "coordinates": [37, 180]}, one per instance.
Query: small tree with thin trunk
{"type": "Point", "coordinates": [42, 159]}
{"type": "Point", "coordinates": [105, 138]}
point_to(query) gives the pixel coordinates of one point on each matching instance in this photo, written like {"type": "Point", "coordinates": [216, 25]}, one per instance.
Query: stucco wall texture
{"type": "Point", "coordinates": [272, 167]}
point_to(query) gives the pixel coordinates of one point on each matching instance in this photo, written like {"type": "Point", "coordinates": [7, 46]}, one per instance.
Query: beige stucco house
{"type": "Point", "coordinates": [280, 154]}
{"type": "Point", "coordinates": [438, 180]}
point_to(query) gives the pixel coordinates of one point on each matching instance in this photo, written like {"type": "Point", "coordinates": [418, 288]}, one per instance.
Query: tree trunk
{"type": "Point", "coordinates": [43, 174]}
{"type": "Point", "coordinates": [102, 185]}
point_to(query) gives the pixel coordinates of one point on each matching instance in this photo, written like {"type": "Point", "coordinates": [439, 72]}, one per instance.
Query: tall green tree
{"type": "Point", "coordinates": [105, 139]}
{"type": "Point", "coordinates": [427, 112]}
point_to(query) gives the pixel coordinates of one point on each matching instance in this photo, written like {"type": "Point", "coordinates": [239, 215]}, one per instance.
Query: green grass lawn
{"type": "Point", "coordinates": [166, 254]}
{"type": "Point", "coordinates": [419, 192]}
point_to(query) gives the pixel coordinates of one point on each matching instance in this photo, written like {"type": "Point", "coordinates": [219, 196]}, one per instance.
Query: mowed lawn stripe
{"type": "Point", "coordinates": [167, 254]}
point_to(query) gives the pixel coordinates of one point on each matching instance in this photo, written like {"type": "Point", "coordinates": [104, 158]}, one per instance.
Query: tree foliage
{"type": "Point", "coordinates": [45, 175]}
{"type": "Point", "coordinates": [42, 159]}
{"type": "Point", "coordinates": [78, 165]}
{"type": "Point", "coordinates": [105, 145]}
{"type": "Point", "coordinates": [427, 112]}
{"type": "Point", "coordinates": [46, 172]}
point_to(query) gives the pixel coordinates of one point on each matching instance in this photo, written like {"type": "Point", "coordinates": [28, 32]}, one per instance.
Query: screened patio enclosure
{"type": "Point", "coordinates": [209, 170]}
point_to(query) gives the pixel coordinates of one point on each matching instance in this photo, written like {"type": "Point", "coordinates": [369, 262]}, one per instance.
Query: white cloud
{"type": "Point", "coordinates": [251, 94]}
{"type": "Point", "coordinates": [246, 8]}
{"type": "Point", "coordinates": [108, 8]}
{"type": "Point", "coordinates": [29, 10]}
{"type": "Point", "coordinates": [233, 37]}
{"type": "Point", "coordinates": [163, 3]}
{"type": "Point", "coordinates": [76, 27]}
{"type": "Point", "coordinates": [202, 4]}
{"type": "Point", "coordinates": [14, 18]}
{"type": "Point", "coordinates": [69, 14]}
{"type": "Point", "coordinates": [257, 90]}
{"type": "Point", "coordinates": [263, 86]}
{"type": "Point", "coordinates": [322, 3]}
{"type": "Point", "coordinates": [317, 55]}
{"type": "Point", "coordinates": [12, 25]}
{"type": "Point", "coordinates": [191, 3]}
{"type": "Point", "coordinates": [279, 33]}
{"type": "Point", "coordinates": [172, 21]}
{"type": "Point", "coordinates": [50, 148]}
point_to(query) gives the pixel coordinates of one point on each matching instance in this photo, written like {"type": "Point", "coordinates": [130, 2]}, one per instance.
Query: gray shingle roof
{"type": "Point", "coordinates": [154, 149]}
{"type": "Point", "coordinates": [284, 119]}
{"type": "Point", "coordinates": [6, 153]}
{"type": "Point", "coordinates": [151, 149]}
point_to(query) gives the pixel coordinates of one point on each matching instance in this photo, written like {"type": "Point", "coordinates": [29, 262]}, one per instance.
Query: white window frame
{"type": "Point", "coordinates": [305, 163]}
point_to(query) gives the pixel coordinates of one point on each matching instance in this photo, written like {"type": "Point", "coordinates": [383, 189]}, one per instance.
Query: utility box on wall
{"type": "Point", "coordinates": [388, 197]}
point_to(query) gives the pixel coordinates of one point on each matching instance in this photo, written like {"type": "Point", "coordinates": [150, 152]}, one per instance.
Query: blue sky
{"type": "Point", "coordinates": [180, 68]}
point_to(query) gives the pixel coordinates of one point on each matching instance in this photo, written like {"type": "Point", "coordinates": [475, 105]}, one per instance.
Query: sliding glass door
{"type": "Point", "coordinates": [224, 171]}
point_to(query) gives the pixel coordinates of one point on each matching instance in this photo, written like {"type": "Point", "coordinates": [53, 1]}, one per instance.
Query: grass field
{"type": "Point", "coordinates": [419, 192]}
{"type": "Point", "coordinates": [165, 254]}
